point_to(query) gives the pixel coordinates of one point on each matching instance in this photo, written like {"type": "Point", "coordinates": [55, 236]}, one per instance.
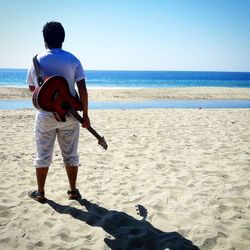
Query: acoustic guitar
{"type": "Point", "coordinates": [54, 96]}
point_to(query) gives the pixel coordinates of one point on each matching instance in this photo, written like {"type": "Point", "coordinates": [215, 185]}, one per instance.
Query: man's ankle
{"type": "Point", "coordinates": [41, 191]}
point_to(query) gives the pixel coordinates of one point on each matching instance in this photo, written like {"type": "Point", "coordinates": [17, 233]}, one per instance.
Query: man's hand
{"type": "Point", "coordinates": [32, 88]}
{"type": "Point", "coordinates": [86, 121]}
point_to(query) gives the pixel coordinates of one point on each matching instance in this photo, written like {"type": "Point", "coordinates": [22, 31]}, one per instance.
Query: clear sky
{"type": "Point", "coordinates": [132, 34]}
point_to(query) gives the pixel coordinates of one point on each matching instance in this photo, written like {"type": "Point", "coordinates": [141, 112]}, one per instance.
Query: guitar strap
{"type": "Point", "coordinates": [39, 76]}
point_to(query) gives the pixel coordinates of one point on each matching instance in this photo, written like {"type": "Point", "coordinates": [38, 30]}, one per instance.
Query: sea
{"type": "Point", "coordinates": [142, 79]}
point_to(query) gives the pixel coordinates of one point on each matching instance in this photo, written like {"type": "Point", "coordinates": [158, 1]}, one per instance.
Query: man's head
{"type": "Point", "coordinates": [53, 34]}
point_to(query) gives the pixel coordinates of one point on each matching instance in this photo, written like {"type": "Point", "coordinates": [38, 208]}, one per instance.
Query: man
{"type": "Point", "coordinates": [55, 61]}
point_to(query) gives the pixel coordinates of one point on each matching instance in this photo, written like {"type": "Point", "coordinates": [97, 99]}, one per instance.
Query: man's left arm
{"type": "Point", "coordinates": [30, 79]}
{"type": "Point", "coordinates": [84, 100]}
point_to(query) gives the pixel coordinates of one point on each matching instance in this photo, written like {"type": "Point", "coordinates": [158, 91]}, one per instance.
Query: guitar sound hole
{"type": "Point", "coordinates": [65, 105]}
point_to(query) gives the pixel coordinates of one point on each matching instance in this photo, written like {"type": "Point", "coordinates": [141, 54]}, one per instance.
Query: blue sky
{"type": "Point", "coordinates": [211, 35]}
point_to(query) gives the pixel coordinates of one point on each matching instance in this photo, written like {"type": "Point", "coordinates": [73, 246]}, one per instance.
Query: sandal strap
{"type": "Point", "coordinates": [38, 193]}
{"type": "Point", "coordinates": [42, 193]}
{"type": "Point", "coordinates": [73, 192]}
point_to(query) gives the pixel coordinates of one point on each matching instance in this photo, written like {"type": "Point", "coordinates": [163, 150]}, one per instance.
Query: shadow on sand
{"type": "Point", "coordinates": [128, 232]}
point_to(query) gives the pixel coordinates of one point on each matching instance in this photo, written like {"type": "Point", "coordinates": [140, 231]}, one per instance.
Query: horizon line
{"type": "Point", "coordinates": [147, 70]}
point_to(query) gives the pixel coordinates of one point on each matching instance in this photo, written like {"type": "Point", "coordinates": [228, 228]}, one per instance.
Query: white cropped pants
{"type": "Point", "coordinates": [47, 129]}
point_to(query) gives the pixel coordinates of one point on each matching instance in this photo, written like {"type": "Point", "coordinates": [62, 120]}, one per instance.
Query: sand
{"type": "Point", "coordinates": [207, 93]}
{"type": "Point", "coordinates": [185, 170]}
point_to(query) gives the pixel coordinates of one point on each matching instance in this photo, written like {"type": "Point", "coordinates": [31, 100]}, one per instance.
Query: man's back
{"type": "Point", "coordinates": [62, 63]}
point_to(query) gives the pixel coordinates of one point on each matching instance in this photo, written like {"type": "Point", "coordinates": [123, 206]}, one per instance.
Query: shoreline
{"type": "Point", "coordinates": [123, 94]}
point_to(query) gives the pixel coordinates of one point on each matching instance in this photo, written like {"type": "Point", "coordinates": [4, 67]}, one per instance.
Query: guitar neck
{"type": "Point", "coordinates": [74, 113]}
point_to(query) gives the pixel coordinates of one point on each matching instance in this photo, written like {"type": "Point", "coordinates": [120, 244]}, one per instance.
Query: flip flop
{"type": "Point", "coordinates": [37, 196]}
{"type": "Point", "coordinates": [74, 194]}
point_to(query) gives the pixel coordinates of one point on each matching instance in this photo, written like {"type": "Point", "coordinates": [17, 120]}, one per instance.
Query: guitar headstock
{"type": "Point", "coordinates": [103, 143]}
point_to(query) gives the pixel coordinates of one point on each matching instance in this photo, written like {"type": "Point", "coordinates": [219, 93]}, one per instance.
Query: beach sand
{"type": "Point", "coordinates": [185, 170]}
{"type": "Point", "coordinates": [206, 93]}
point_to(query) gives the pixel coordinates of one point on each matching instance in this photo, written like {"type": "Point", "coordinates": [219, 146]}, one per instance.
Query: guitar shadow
{"type": "Point", "coordinates": [128, 232]}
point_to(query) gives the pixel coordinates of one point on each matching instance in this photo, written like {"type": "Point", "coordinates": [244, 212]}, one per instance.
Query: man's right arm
{"type": "Point", "coordinates": [84, 100]}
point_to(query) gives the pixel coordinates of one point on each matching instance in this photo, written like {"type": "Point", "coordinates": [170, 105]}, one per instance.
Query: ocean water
{"type": "Point", "coordinates": [143, 79]}
{"type": "Point", "coordinates": [193, 104]}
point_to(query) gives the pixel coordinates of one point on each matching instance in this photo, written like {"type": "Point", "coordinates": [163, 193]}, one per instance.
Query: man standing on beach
{"type": "Point", "coordinates": [55, 61]}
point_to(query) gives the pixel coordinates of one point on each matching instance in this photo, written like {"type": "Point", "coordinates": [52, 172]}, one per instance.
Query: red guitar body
{"type": "Point", "coordinates": [54, 96]}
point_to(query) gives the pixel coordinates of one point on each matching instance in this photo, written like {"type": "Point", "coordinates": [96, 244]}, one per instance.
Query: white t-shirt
{"type": "Point", "coordinates": [57, 62]}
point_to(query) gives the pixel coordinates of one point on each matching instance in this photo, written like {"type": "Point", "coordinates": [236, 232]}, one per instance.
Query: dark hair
{"type": "Point", "coordinates": [53, 34]}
